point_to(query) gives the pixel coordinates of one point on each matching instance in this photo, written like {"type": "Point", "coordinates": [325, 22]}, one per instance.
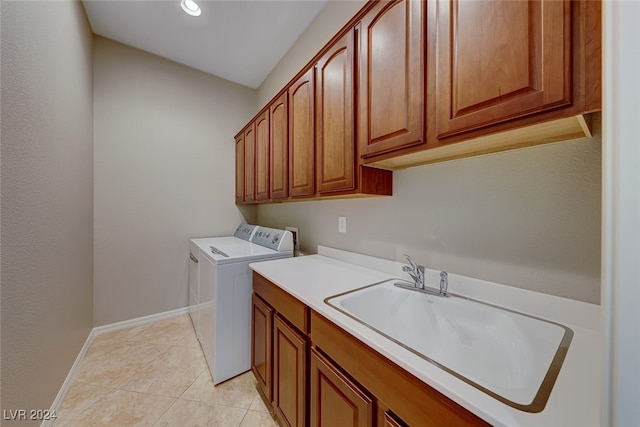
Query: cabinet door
{"type": "Point", "coordinates": [391, 77]}
{"type": "Point", "coordinates": [335, 400]}
{"type": "Point", "coordinates": [249, 164]}
{"type": "Point", "coordinates": [289, 371]}
{"type": "Point", "coordinates": [262, 156]}
{"type": "Point", "coordinates": [301, 136]}
{"type": "Point", "coordinates": [387, 419]}
{"type": "Point", "coordinates": [240, 169]}
{"type": "Point", "coordinates": [498, 60]}
{"type": "Point", "coordinates": [279, 148]}
{"type": "Point", "coordinates": [261, 333]}
{"type": "Point", "coordinates": [335, 150]}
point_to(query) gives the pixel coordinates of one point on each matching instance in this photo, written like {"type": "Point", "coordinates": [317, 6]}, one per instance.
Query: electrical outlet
{"type": "Point", "coordinates": [342, 224]}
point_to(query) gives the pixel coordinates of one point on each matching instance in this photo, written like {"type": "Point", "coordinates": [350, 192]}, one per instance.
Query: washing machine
{"type": "Point", "coordinates": [220, 293]}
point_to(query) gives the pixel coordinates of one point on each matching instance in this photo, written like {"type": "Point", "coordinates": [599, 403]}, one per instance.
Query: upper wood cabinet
{"type": "Point", "coordinates": [410, 82]}
{"type": "Point", "coordinates": [262, 156]}
{"type": "Point", "coordinates": [279, 175]}
{"type": "Point", "coordinates": [249, 163]}
{"type": "Point", "coordinates": [302, 136]}
{"type": "Point", "coordinates": [335, 144]}
{"type": "Point", "coordinates": [240, 168]}
{"type": "Point", "coordinates": [497, 60]}
{"type": "Point", "coordinates": [391, 77]}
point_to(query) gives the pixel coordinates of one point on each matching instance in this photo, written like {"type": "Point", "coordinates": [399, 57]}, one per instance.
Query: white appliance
{"type": "Point", "coordinates": [220, 293]}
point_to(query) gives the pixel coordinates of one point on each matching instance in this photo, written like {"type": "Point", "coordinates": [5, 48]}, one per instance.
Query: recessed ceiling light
{"type": "Point", "coordinates": [191, 7]}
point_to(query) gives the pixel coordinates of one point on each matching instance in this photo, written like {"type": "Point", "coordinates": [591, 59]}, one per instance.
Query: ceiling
{"type": "Point", "coordinates": [238, 40]}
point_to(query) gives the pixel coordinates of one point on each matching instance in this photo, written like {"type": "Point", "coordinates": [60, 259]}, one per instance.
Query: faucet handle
{"type": "Point", "coordinates": [444, 282]}
{"type": "Point", "coordinates": [414, 266]}
{"type": "Point", "coordinates": [413, 273]}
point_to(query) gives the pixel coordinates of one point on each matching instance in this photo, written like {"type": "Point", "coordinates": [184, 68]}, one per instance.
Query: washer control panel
{"type": "Point", "coordinates": [272, 238]}
{"type": "Point", "coordinates": [245, 231]}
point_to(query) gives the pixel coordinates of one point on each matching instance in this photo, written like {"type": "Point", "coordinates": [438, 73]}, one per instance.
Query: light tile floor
{"type": "Point", "coordinates": [156, 375]}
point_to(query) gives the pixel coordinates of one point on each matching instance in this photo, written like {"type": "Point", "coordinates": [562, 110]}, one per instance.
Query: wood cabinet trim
{"type": "Point", "coordinates": [591, 30]}
{"type": "Point", "coordinates": [291, 308]}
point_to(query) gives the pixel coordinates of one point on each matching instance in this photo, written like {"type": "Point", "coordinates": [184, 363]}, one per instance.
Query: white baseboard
{"type": "Point", "coordinates": [57, 402]}
{"type": "Point", "coordinates": [99, 330]}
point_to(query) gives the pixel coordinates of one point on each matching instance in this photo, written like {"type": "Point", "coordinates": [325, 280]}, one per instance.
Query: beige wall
{"type": "Point", "coordinates": [527, 218]}
{"type": "Point", "coordinates": [333, 16]}
{"type": "Point", "coordinates": [47, 198]}
{"type": "Point", "coordinates": [164, 173]}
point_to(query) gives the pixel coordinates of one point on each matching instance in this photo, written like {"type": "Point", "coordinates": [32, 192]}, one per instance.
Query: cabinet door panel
{"type": "Point", "coordinates": [301, 136]}
{"type": "Point", "coordinates": [391, 77]}
{"type": "Point", "coordinates": [261, 350]}
{"type": "Point", "coordinates": [387, 419]}
{"type": "Point", "coordinates": [335, 400]}
{"type": "Point", "coordinates": [498, 60]}
{"type": "Point", "coordinates": [240, 169]}
{"type": "Point", "coordinates": [262, 156]}
{"type": "Point", "coordinates": [335, 153]}
{"type": "Point", "coordinates": [289, 369]}
{"type": "Point", "coordinates": [279, 148]}
{"type": "Point", "coordinates": [249, 164]}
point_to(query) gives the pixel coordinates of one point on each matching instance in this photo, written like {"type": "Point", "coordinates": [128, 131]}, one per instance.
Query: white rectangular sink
{"type": "Point", "coordinates": [513, 357]}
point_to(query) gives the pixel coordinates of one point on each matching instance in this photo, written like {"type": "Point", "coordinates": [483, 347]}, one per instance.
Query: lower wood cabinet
{"type": "Point", "coordinates": [335, 400]}
{"type": "Point", "coordinates": [387, 419]}
{"type": "Point", "coordinates": [394, 388]}
{"type": "Point", "coordinates": [314, 373]}
{"type": "Point", "coordinates": [289, 374]}
{"type": "Point", "coordinates": [261, 344]}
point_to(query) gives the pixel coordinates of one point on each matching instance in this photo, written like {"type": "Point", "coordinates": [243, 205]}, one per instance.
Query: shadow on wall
{"type": "Point", "coordinates": [528, 218]}
{"type": "Point", "coordinates": [249, 213]}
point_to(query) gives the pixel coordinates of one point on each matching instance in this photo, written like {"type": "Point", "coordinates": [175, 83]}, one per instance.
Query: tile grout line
{"type": "Point", "coordinates": [111, 390]}
{"type": "Point", "coordinates": [164, 412]}
{"type": "Point", "coordinates": [180, 344]}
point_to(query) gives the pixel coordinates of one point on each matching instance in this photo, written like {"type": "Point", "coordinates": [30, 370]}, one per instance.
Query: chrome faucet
{"type": "Point", "coordinates": [415, 271]}
{"type": "Point", "coordinates": [417, 274]}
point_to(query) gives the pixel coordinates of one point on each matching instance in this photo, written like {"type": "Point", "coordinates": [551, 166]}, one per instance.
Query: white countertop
{"type": "Point", "coordinates": [575, 398]}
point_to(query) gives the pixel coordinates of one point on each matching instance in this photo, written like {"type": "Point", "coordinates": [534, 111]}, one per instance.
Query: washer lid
{"type": "Point", "coordinates": [223, 250]}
